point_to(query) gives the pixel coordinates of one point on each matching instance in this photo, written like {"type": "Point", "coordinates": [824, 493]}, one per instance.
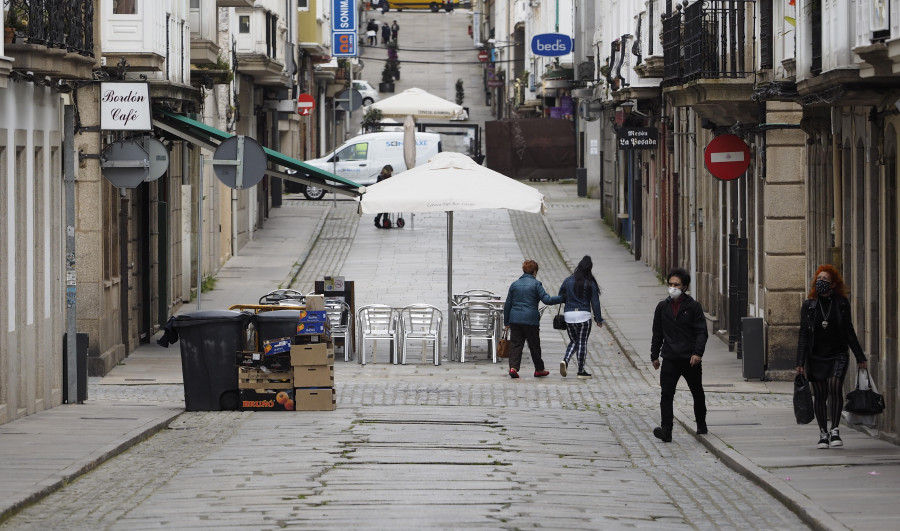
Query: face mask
{"type": "Point", "coordinates": [823, 287]}
{"type": "Point", "coordinates": [674, 293]}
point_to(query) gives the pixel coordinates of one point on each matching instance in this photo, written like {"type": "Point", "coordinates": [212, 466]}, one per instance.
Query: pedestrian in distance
{"type": "Point", "coordinates": [385, 33]}
{"type": "Point", "coordinates": [395, 29]}
{"type": "Point", "coordinates": [679, 336]}
{"type": "Point", "coordinates": [386, 172]}
{"type": "Point", "coordinates": [826, 332]}
{"type": "Point", "coordinates": [522, 318]}
{"type": "Point", "coordinates": [582, 295]}
{"type": "Point", "coordinates": [372, 32]}
{"type": "Point", "coordinates": [384, 6]}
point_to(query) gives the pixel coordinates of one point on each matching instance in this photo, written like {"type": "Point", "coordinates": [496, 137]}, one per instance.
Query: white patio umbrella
{"type": "Point", "coordinates": [447, 183]}
{"type": "Point", "coordinates": [417, 103]}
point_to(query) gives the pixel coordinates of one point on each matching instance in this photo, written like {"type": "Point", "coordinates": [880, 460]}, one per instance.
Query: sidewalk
{"type": "Point", "coordinates": [852, 487]}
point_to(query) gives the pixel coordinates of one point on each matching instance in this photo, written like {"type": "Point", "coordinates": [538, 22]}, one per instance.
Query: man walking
{"type": "Point", "coordinates": [679, 334]}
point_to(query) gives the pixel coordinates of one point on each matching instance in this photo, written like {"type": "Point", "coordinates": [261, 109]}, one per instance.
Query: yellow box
{"type": "Point", "coordinates": [315, 354]}
{"type": "Point", "coordinates": [314, 376]}
{"type": "Point", "coordinates": [314, 399]}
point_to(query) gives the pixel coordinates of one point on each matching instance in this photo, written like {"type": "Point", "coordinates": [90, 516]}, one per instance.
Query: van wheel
{"type": "Point", "coordinates": [313, 193]}
{"type": "Point", "coordinates": [368, 101]}
{"type": "Point", "coordinates": [435, 7]}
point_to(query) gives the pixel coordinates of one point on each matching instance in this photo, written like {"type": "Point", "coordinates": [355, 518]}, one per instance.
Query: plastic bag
{"type": "Point", "coordinates": [803, 403]}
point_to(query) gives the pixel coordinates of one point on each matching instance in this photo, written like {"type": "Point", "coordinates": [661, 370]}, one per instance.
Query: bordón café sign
{"type": "Point", "coordinates": [125, 107]}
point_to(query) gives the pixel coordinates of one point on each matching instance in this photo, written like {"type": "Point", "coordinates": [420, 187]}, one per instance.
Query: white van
{"type": "Point", "coordinates": [361, 158]}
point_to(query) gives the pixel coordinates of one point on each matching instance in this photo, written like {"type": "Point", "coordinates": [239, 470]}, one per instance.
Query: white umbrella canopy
{"type": "Point", "coordinates": [449, 182]}
{"type": "Point", "coordinates": [417, 103]}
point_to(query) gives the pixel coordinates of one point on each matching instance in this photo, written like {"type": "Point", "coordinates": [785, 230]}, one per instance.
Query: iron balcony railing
{"type": "Point", "coordinates": [707, 40]}
{"type": "Point", "coordinates": [64, 24]}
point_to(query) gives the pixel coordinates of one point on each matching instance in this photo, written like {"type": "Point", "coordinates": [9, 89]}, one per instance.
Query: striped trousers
{"type": "Point", "coordinates": [578, 337]}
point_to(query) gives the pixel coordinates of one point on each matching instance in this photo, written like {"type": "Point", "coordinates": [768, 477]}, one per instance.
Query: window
{"type": "Point", "coordinates": [244, 24]}
{"type": "Point", "coordinates": [354, 152]}
{"type": "Point", "coordinates": [124, 7]}
{"type": "Point", "coordinates": [195, 4]}
{"type": "Point", "coordinates": [302, 5]}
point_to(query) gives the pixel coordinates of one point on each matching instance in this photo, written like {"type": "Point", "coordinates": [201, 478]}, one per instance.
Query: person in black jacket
{"type": "Point", "coordinates": [582, 296]}
{"type": "Point", "coordinates": [826, 332]}
{"type": "Point", "coordinates": [679, 335]}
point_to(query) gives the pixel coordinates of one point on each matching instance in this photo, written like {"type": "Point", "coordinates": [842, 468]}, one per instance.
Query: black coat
{"type": "Point", "coordinates": [678, 337]}
{"type": "Point", "coordinates": [847, 335]}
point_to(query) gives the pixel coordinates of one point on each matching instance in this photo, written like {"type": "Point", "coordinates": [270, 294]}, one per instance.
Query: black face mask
{"type": "Point", "coordinates": [823, 288]}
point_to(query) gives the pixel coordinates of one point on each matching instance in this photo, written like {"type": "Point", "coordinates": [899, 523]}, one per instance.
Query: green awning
{"type": "Point", "coordinates": [209, 137]}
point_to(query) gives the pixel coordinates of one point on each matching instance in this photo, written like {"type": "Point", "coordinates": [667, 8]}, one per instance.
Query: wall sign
{"type": "Point", "coordinates": [551, 44]}
{"type": "Point", "coordinates": [629, 138]}
{"type": "Point", "coordinates": [343, 16]}
{"type": "Point", "coordinates": [125, 107]}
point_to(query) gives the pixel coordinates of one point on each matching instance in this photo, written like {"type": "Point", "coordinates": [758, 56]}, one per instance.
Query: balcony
{"type": "Point", "coordinates": [204, 25]}
{"type": "Point", "coordinates": [53, 37]}
{"type": "Point", "coordinates": [707, 61]}
{"type": "Point", "coordinates": [259, 43]}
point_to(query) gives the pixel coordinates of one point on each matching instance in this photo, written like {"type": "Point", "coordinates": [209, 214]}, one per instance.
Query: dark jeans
{"type": "Point", "coordinates": [669, 373]}
{"type": "Point", "coordinates": [520, 334]}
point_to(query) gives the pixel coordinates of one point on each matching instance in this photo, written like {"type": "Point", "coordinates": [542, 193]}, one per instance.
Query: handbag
{"type": "Point", "coordinates": [864, 401]}
{"type": "Point", "coordinates": [503, 344]}
{"type": "Point", "coordinates": [559, 320]}
{"type": "Point", "coordinates": [803, 403]}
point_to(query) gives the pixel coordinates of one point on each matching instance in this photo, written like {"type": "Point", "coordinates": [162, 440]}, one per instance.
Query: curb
{"type": "Point", "coordinates": [82, 467]}
{"type": "Point", "coordinates": [301, 260]}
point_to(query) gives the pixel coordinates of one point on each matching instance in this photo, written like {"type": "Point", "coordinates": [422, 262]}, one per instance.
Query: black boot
{"type": "Point", "coordinates": [664, 434]}
{"type": "Point", "coordinates": [701, 427]}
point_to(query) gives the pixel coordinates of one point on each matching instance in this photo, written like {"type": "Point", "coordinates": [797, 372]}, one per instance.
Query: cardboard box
{"type": "Point", "coordinates": [315, 303]}
{"type": "Point", "coordinates": [314, 376]}
{"type": "Point", "coordinates": [310, 328]}
{"type": "Point", "coordinates": [278, 362]}
{"type": "Point", "coordinates": [281, 345]}
{"type": "Point", "coordinates": [312, 339]}
{"type": "Point", "coordinates": [315, 399]}
{"type": "Point", "coordinates": [267, 400]}
{"type": "Point", "coordinates": [263, 379]}
{"type": "Point", "coordinates": [318, 354]}
{"type": "Point", "coordinates": [313, 316]}
{"type": "Point", "coordinates": [248, 358]}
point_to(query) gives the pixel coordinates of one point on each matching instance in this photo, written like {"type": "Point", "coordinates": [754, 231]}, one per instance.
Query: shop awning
{"type": "Point", "coordinates": [209, 137]}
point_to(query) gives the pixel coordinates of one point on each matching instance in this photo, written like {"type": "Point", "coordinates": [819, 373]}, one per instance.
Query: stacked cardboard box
{"type": "Point", "coordinates": [312, 359]}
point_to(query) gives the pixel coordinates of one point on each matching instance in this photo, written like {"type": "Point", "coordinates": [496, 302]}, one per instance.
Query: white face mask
{"type": "Point", "coordinates": [674, 293]}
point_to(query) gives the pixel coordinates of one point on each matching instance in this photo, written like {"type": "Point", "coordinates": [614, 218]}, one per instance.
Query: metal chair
{"type": "Point", "coordinates": [478, 320]}
{"type": "Point", "coordinates": [341, 319]}
{"type": "Point", "coordinates": [374, 322]}
{"type": "Point", "coordinates": [421, 322]}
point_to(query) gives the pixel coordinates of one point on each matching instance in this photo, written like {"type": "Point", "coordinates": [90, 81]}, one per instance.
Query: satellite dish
{"type": "Point", "coordinates": [159, 158]}
{"type": "Point", "coordinates": [252, 162]}
{"type": "Point", "coordinates": [125, 164]}
{"type": "Point", "coordinates": [590, 110]}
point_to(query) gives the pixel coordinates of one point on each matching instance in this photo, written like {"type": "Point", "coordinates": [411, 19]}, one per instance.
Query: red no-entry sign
{"type": "Point", "coordinates": [727, 157]}
{"type": "Point", "coordinates": [305, 104]}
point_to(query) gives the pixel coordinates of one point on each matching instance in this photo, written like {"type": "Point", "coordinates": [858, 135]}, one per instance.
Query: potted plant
{"type": "Point", "coordinates": [392, 59]}
{"type": "Point", "coordinates": [372, 117]}
{"type": "Point", "coordinates": [387, 79]}
{"type": "Point", "coordinates": [16, 23]}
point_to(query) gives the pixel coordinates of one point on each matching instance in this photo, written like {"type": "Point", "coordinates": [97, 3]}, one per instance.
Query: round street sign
{"type": "Point", "coordinates": [252, 162]}
{"type": "Point", "coordinates": [727, 157]}
{"type": "Point", "coordinates": [305, 104]}
{"type": "Point", "coordinates": [483, 56]}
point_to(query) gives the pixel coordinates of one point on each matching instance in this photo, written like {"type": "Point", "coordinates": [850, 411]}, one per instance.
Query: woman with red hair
{"type": "Point", "coordinates": [826, 333]}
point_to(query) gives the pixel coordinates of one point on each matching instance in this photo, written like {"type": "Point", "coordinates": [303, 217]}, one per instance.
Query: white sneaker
{"type": "Point", "coordinates": [835, 439]}
{"type": "Point", "coordinates": [563, 368]}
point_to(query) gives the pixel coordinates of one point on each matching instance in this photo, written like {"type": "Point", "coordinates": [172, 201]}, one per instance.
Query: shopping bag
{"type": "Point", "coordinates": [503, 344]}
{"type": "Point", "coordinates": [864, 400]}
{"type": "Point", "coordinates": [803, 403]}
{"type": "Point", "coordinates": [559, 321]}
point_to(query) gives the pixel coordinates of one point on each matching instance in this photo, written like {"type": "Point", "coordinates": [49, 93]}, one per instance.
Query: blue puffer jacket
{"type": "Point", "coordinates": [586, 300]}
{"type": "Point", "coordinates": [521, 305]}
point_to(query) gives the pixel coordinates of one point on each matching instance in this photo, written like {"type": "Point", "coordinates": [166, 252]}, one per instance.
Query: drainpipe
{"type": "Point", "coordinates": [837, 173]}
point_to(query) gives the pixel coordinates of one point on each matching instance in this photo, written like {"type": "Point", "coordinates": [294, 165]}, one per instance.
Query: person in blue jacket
{"type": "Point", "coordinates": [521, 316]}
{"type": "Point", "coordinates": [582, 296]}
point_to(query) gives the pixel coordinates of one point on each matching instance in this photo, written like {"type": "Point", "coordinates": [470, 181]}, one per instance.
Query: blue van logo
{"type": "Point", "coordinates": [551, 44]}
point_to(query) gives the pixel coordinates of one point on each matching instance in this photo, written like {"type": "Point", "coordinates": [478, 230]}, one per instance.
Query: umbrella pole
{"type": "Point", "coordinates": [450, 318]}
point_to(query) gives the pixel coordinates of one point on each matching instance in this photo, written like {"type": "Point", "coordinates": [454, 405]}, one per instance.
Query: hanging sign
{"type": "Point", "coordinates": [125, 107]}
{"type": "Point", "coordinates": [551, 44]}
{"type": "Point", "coordinates": [727, 157]}
{"type": "Point", "coordinates": [629, 138]}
